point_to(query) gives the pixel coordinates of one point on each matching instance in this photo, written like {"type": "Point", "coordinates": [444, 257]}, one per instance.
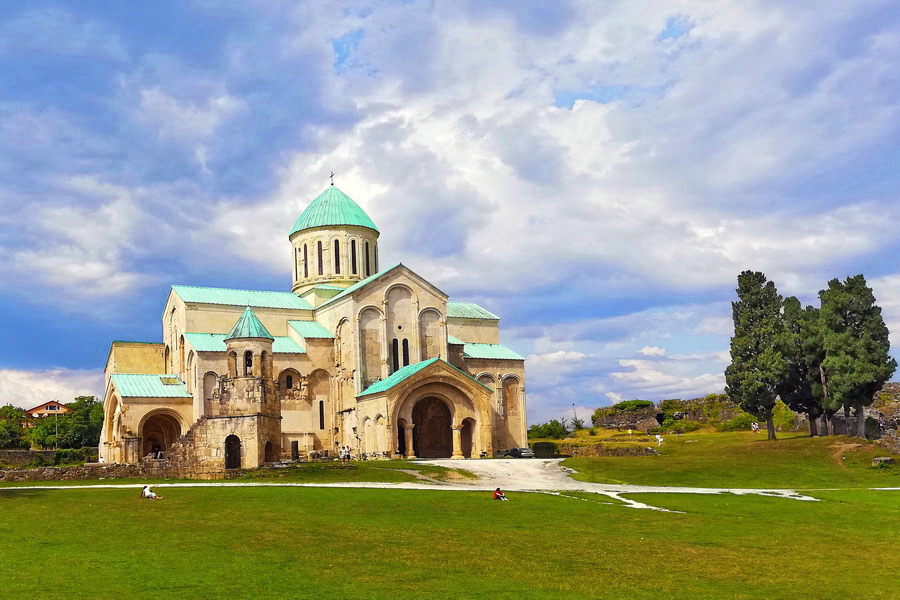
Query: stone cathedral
{"type": "Point", "coordinates": [355, 354]}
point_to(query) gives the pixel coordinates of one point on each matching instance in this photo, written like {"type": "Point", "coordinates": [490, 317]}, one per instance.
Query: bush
{"type": "Point", "coordinates": [554, 430]}
{"type": "Point", "coordinates": [738, 423]}
{"type": "Point", "coordinates": [633, 405]}
{"type": "Point", "coordinates": [683, 426]}
{"type": "Point", "coordinates": [592, 431]}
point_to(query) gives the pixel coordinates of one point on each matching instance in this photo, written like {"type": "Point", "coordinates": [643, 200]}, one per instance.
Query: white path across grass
{"type": "Point", "coordinates": [523, 475]}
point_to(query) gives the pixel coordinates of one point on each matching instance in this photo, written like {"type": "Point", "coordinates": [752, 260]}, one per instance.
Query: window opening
{"type": "Point", "coordinates": [337, 257]}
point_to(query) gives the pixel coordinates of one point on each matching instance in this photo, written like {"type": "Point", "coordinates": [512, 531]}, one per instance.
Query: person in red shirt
{"type": "Point", "coordinates": [498, 495]}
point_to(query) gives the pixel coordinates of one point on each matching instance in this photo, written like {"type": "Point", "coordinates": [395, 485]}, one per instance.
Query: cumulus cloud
{"type": "Point", "coordinates": [27, 389]}
{"type": "Point", "coordinates": [653, 351]}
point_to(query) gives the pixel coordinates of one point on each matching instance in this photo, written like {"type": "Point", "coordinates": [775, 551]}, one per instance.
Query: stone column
{"type": "Point", "coordinates": [408, 432]}
{"type": "Point", "coordinates": [457, 443]}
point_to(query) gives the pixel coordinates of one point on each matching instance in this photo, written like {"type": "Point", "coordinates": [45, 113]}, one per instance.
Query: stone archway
{"type": "Point", "coordinates": [158, 431]}
{"type": "Point", "coordinates": [432, 435]}
{"type": "Point", "coordinates": [270, 452]}
{"type": "Point", "coordinates": [232, 452]}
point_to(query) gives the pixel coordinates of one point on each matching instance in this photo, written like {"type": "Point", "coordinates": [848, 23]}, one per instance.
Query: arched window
{"type": "Point", "coordinates": [296, 260]}
{"type": "Point", "coordinates": [321, 266]}
{"type": "Point", "coordinates": [405, 352]}
{"type": "Point", "coordinates": [337, 257]}
{"type": "Point", "coordinates": [375, 252]}
{"type": "Point", "coordinates": [395, 354]}
{"type": "Point", "coordinates": [321, 414]}
{"type": "Point", "coordinates": [368, 270]}
{"type": "Point", "coordinates": [305, 263]}
{"type": "Point", "coordinates": [248, 363]}
{"type": "Point", "coordinates": [353, 256]}
{"type": "Point", "coordinates": [289, 382]}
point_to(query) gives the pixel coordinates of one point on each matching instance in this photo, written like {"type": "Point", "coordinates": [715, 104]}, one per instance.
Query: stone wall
{"type": "Point", "coordinates": [19, 458]}
{"type": "Point", "coordinates": [641, 419]}
{"type": "Point", "coordinates": [605, 450]}
{"type": "Point", "coordinates": [72, 473]}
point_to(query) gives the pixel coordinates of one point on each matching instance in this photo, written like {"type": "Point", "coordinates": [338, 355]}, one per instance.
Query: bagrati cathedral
{"type": "Point", "coordinates": [375, 359]}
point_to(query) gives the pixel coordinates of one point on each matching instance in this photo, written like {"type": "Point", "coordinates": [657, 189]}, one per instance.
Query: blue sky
{"type": "Point", "coordinates": [595, 173]}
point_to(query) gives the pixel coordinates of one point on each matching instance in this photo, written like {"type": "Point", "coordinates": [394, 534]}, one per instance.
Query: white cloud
{"type": "Point", "coordinates": [27, 389]}
{"type": "Point", "coordinates": [653, 351]}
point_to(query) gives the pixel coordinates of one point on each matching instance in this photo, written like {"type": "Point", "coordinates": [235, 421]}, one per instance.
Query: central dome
{"type": "Point", "coordinates": [332, 207]}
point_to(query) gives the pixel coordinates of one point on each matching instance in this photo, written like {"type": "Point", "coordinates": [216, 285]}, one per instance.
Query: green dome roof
{"type": "Point", "coordinates": [332, 207]}
{"type": "Point", "coordinates": [248, 326]}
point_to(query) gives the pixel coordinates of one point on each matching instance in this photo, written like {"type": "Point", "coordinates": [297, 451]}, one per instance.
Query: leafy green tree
{"type": "Point", "coordinates": [11, 413]}
{"type": "Point", "coordinates": [554, 430]}
{"type": "Point", "coordinates": [802, 349]}
{"type": "Point", "coordinates": [757, 365]}
{"type": "Point", "coordinates": [11, 434]}
{"type": "Point", "coordinates": [857, 360]}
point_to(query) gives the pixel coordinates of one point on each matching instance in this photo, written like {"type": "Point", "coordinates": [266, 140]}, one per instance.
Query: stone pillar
{"type": "Point", "coordinates": [408, 432]}
{"type": "Point", "coordinates": [457, 443]}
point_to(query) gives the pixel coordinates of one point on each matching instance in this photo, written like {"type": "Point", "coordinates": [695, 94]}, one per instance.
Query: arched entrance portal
{"type": "Point", "coordinates": [232, 452]}
{"type": "Point", "coordinates": [158, 432]}
{"type": "Point", "coordinates": [432, 436]}
{"type": "Point", "coordinates": [270, 452]}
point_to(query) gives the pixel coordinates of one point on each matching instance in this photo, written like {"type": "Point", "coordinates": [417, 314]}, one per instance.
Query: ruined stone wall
{"type": "Point", "coordinates": [71, 473]}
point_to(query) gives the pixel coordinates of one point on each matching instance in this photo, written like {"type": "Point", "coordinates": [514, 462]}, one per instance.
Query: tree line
{"type": "Point", "coordinates": [78, 428]}
{"type": "Point", "coordinates": [817, 360]}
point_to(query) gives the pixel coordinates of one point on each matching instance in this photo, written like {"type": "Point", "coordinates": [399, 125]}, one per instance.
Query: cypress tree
{"type": "Point", "coordinates": [857, 360]}
{"type": "Point", "coordinates": [801, 346]}
{"type": "Point", "coordinates": [757, 365]}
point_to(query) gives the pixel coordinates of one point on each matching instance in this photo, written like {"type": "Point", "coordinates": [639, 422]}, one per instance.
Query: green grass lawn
{"type": "Point", "coordinates": [742, 459]}
{"type": "Point", "coordinates": [359, 544]}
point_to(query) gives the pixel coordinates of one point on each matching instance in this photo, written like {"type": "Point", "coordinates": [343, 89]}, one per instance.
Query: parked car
{"type": "Point", "coordinates": [521, 453]}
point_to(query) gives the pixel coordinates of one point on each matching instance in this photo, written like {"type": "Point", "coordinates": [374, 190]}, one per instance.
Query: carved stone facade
{"type": "Point", "coordinates": [383, 363]}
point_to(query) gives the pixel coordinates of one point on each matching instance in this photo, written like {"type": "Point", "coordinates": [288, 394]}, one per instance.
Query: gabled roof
{"type": "Point", "coordinates": [408, 371]}
{"type": "Point", "coordinates": [453, 340]}
{"type": "Point", "coordinates": [215, 342]}
{"type": "Point", "coordinates": [332, 207]}
{"type": "Point", "coordinates": [131, 385]}
{"type": "Point", "coordinates": [469, 310]}
{"type": "Point", "coordinates": [231, 297]}
{"type": "Point", "coordinates": [360, 284]}
{"type": "Point", "coordinates": [310, 330]}
{"type": "Point", "coordinates": [248, 326]}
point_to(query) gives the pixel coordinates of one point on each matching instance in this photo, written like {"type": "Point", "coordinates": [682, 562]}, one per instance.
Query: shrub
{"type": "Point", "coordinates": [738, 423]}
{"type": "Point", "coordinates": [633, 405]}
{"type": "Point", "coordinates": [554, 430]}
{"type": "Point", "coordinates": [683, 426]}
{"type": "Point", "coordinates": [592, 431]}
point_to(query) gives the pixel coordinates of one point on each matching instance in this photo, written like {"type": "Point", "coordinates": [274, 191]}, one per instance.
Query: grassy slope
{"type": "Point", "coordinates": [344, 543]}
{"type": "Point", "coordinates": [742, 459]}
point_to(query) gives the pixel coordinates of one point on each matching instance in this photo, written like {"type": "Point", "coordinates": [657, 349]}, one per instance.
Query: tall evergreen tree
{"type": "Point", "coordinates": [802, 350]}
{"type": "Point", "coordinates": [857, 360]}
{"type": "Point", "coordinates": [757, 365]}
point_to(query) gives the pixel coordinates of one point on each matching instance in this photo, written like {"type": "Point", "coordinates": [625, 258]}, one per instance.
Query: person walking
{"type": "Point", "coordinates": [659, 440]}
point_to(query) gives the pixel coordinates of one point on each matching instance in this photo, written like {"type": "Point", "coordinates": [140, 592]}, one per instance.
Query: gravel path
{"type": "Point", "coordinates": [521, 475]}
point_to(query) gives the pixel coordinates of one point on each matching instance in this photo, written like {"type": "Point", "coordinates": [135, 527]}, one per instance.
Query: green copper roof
{"type": "Point", "coordinates": [229, 297]}
{"type": "Point", "coordinates": [328, 288]}
{"type": "Point", "coordinates": [453, 340]}
{"type": "Point", "coordinates": [248, 326]}
{"type": "Point", "coordinates": [359, 284]}
{"type": "Point", "coordinates": [469, 310]}
{"type": "Point", "coordinates": [407, 372]}
{"type": "Point", "coordinates": [310, 329]}
{"type": "Point", "coordinates": [131, 385]}
{"type": "Point", "coordinates": [396, 377]}
{"type": "Point", "coordinates": [490, 351]}
{"type": "Point", "coordinates": [332, 207]}
{"type": "Point", "coordinates": [215, 342]}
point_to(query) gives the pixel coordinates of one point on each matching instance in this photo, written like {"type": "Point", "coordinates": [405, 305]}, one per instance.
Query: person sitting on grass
{"type": "Point", "coordinates": [498, 495]}
{"type": "Point", "coordinates": [149, 494]}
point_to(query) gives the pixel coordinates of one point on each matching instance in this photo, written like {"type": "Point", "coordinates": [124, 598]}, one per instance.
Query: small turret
{"type": "Point", "coordinates": [249, 346]}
